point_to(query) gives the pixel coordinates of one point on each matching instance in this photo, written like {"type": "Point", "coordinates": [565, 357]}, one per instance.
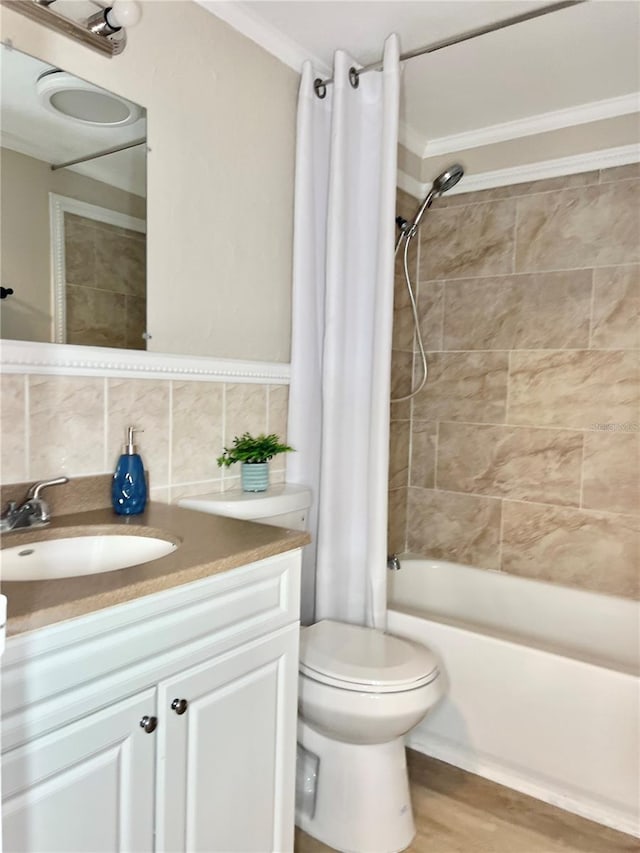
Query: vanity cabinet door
{"type": "Point", "coordinates": [226, 763]}
{"type": "Point", "coordinates": [88, 786]}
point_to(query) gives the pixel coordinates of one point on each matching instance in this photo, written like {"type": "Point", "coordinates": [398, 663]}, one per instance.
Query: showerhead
{"type": "Point", "coordinates": [448, 179]}
{"type": "Point", "coordinates": [442, 184]}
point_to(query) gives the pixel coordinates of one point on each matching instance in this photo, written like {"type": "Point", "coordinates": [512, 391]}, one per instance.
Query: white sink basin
{"type": "Point", "coordinates": [79, 555]}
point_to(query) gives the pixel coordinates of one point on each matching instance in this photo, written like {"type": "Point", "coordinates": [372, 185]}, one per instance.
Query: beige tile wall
{"type": "Point", "coordinates": [522, 452]}
{"type": "Point", "coordinates": [74, 425]}
{"type": "Point", "coordinates": [106, 302]}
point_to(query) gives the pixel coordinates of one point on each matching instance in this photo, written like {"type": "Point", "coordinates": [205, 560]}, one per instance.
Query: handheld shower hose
{"type": "Point", "coordinates": [408, 231]}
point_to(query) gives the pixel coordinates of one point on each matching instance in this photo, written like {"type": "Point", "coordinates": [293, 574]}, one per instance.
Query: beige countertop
{"type": "Point", "coordinates": [208, 545]}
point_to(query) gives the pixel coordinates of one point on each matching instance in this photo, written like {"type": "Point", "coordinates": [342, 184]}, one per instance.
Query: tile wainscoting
{"type": "Point", "coordinates": [75, 425]}
{"type": "Point", "coordinates": [522, 452]}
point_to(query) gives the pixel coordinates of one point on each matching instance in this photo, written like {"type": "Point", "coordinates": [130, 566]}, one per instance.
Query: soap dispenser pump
{"type": "Point", "coordinates": [129, 486]}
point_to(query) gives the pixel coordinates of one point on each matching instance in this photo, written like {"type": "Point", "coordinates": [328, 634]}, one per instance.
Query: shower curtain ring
{"type": "Point", "coordinates": [320, 87]}
{"type": "Point", "coordinates": [354, 77]}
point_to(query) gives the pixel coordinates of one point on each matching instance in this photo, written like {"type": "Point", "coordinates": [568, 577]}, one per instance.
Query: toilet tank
{"type": "Point", "coordinates": [282, 505]}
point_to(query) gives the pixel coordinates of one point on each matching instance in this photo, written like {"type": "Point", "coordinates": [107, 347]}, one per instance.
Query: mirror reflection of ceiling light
{"type": "Point", "coordinates": [80, 101]}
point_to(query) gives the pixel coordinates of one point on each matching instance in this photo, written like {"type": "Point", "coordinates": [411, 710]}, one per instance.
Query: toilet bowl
{"type": "Point", "coordinates": [360, 691]}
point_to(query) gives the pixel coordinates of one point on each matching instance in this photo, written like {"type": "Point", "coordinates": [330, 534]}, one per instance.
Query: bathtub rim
{"type": "Point", "coordinates": [559, 649]}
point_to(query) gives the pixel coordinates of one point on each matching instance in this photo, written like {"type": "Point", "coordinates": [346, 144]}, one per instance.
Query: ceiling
{"type": "Point", "coordinates": [586, 56]}
{"type": "Point", "coordinates": [31, 129]}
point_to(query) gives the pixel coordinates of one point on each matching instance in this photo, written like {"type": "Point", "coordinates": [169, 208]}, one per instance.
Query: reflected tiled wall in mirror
{"type": "Point", "coordinates": [53, 160]}
{"type": "Point", "coordinates": [105, 284]}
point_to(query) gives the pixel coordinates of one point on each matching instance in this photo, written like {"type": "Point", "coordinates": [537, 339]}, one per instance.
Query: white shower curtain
{"type": "Point", "coordinates": [341, 340]}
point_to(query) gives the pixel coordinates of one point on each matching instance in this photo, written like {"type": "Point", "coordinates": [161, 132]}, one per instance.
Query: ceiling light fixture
{"type": "Point", "coordinates": [104, 31]}
{"type": "Point", "coordinates": [81, 101]}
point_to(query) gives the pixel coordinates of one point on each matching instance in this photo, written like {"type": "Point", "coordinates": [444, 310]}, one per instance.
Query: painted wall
{"type": "Point", "coordinates": [25, 244]}
{"type": "Point", "coordinates": [522, 452]}
{"type": "Point", "coordinates": [526, 150]}
{"type": "Point", "coordinates": [221, 119]}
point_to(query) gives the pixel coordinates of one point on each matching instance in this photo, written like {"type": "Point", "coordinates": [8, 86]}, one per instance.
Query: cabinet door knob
{"type": "Point", "coordinates": [179, 706]}
{"type": "Point", "coordinates": [149, 724]}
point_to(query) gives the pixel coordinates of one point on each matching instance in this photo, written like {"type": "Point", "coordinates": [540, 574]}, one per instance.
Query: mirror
{"type": "Point", "coordinates": [73, 200]}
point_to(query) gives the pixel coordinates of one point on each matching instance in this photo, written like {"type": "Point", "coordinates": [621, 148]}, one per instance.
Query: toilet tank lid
{"type": "Point", "coordinates": [277, 500]}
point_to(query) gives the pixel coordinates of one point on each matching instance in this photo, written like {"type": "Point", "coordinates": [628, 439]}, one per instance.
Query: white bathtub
{"type": "Point", "coordinates": [543, 687]}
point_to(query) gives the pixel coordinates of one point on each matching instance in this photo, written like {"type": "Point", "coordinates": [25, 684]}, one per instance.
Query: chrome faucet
{"type": "Point", "coordinates": [393, 562]}
{"type": "Point", "coordinates": [33, 512]}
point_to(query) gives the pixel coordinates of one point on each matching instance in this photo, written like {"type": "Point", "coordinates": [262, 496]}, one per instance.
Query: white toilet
{"type": "Point", "coordinates": [360, 691]}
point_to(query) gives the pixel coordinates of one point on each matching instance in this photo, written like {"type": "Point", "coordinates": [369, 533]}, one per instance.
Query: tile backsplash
{"type": "Point", "coordinates": [522, 452]}
{"type": "Point", "coordinates": [75, 425]}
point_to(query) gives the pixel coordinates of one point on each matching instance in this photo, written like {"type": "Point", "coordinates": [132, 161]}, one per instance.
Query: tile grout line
{"type": "Point", "coordinates": [542, 271]}
{"type": "Point", "coordinates": [419, 282]}
{"type": "Point", "coordinates": [442, 313]}
{"type": "Point", "coordinates": [597, 183]}
{"type": "Point", "coordinates": [500, 535]}
{"type": "Point", "coordinates": [530, 350]}
{"type": "Point", "coordinates": [410, 453]}
{"type": "Point", "coordinates": [592, 307]}
{"type": "Point", "coordinates": [581, 489]}
{"type": "Point", "coordinates": [528, 426]}
{"type": "Point", "coordinates": [412, 400]}
{"type": "Point", "coordinates": [508, 497]}
{"type": "Point", "coordinates": [560, 507]}
{"type": "Point", "coordinates": [507, 400]}
{"type": "Point", "coordinates": [435, 460]}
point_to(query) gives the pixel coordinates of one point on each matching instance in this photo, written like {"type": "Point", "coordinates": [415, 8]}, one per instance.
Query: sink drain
{"type": "Point", "coordinates": [26, 552]}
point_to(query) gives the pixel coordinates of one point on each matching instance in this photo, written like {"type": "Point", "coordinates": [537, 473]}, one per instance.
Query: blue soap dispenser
{"type": "Point", "coordinates": [129, 486]}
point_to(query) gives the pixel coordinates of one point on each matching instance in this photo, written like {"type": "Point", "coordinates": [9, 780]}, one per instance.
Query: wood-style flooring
{"type": "Point", "coordinates": [458, 812]}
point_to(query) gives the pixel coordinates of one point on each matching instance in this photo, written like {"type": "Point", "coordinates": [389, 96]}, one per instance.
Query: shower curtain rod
{"type": "Point", "coordinates": [114, 150]}
{"type": "Point", "coordinates": [320, 85]}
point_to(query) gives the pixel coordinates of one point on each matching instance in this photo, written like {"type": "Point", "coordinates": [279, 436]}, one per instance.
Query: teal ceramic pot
{"type": "Point", "coordinates": [255, 476]}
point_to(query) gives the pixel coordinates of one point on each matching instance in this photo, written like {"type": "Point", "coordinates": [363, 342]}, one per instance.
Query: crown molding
{"type": "Point", "coordinates": [412, 186]}
{"type": "Point", "coordinates": [68, 360]}
{"type": "Point", "coordinates": [291, 53]}
{"type": "Point", "coordinates": [268, 37]}
{"type": "Point", "coordinates": [573, 165]}
{"type": "Point", "coordinates": [411, 139]}
{"type": "Point", "coordinates": [541, 123]}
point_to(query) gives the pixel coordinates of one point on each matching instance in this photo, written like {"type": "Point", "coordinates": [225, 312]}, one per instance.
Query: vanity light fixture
{"type": "Point", "coordinates": [104, 31]}
{"type": "Point", "coordinates": [123, 13]}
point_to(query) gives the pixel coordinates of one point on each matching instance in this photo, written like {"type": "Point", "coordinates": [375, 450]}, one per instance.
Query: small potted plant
{"type": "Point", "coordinates": [254, 455]}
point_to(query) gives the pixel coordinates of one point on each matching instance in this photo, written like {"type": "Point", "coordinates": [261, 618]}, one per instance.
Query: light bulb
{"type": "Point", "coordinates": [124, 13]}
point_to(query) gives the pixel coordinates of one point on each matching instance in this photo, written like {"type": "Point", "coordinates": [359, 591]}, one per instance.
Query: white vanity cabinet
{"type": "Point", "coordinates": [167, 723]}
{"type": "Point", "coordinates": [87, 786]}
{"type": "Point", "coordinates": [225, 765]}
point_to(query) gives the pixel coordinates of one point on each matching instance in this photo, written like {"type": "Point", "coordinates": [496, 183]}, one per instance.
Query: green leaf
{"type": "Point", "coordinates": [246, 448]}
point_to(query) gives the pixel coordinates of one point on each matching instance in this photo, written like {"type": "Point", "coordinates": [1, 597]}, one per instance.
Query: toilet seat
{"type": "Point", "coordinates": [355, 658]}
